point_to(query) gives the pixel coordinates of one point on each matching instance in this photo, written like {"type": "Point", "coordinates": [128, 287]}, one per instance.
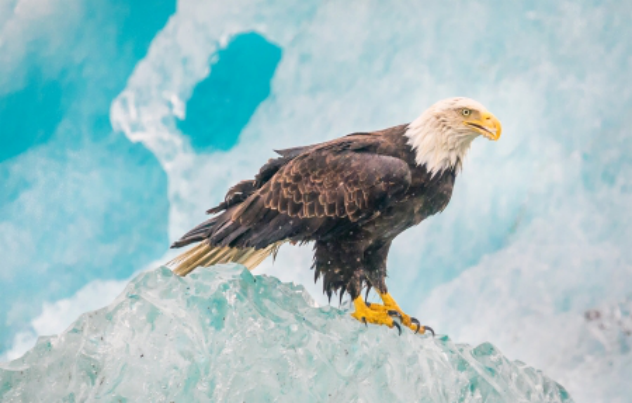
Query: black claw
{"type": "Point", "coordinates": [395, 313]}
{"type": "Point", "coordinates": [416, 322]}
{"type": "Point", "coordinates": [368, 303]}
{"type": "Point", "coordinates": [399, 328]}
{"type": "Point", "coordinates": [430, 329]}
{"type": "Point", "coordinates": [364, 321]}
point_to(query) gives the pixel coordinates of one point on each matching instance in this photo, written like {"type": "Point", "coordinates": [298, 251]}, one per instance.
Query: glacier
{"type": "Point", "coordinates": [70, 185]}
{"type": "Point", "coordinates": [104, 158]}
{"type": "Point", "coordinates": [222, 334]}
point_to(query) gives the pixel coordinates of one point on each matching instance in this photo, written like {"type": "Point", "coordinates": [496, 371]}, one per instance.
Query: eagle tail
{"type": "Point", "coordinates": [206, 255]}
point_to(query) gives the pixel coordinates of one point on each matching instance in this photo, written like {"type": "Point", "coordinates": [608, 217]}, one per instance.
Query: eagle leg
{"type": "Point", "coordinates": [366, 315]}
{"type": "Point", "coordinates": [392, 309]}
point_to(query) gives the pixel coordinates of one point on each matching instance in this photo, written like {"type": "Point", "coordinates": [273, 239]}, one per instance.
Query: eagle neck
{"type": "Point", "coordinates": [436, 145]}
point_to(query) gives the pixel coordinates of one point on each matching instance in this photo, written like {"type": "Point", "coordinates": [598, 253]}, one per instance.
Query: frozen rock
{"type": "Point", "coordinates": [222, 334]}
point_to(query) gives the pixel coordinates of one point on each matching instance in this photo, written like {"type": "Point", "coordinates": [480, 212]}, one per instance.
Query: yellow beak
{"type": "Point", "coordinates": [488, 126]}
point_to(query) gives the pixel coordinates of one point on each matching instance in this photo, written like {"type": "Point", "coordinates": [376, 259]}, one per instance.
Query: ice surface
{"type": "Point", "coordinates": [222, 334]}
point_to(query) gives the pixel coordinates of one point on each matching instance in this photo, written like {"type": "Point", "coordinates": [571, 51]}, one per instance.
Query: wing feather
{"type": "Point", "coordinates": [308, 192]}
{"type": "Point", "coordinates": [345, 181]}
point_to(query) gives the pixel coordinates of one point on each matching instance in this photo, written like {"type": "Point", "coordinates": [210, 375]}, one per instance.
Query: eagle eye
{"type": "Point", "coordinates": [466, 112]}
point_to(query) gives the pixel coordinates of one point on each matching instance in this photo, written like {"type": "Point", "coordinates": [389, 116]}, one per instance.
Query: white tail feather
{"type": "Point", "coordinates": [205, 255]}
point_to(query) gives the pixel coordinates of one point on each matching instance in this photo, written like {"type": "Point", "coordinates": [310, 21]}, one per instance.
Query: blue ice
{"type": "Point", "coordinates": [536, 235]}
{"type": "Point", "coordinates": [79, 201]}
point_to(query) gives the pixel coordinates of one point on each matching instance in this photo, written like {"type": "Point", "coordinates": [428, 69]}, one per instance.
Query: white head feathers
{"type": "Point", "coordinates": [442, 135]}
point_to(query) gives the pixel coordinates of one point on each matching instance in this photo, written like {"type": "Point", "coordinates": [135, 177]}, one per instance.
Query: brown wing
{"type": "Point", "coordinates": [334, 184]}
{"type": "Point", "coordinates": [308, 193]}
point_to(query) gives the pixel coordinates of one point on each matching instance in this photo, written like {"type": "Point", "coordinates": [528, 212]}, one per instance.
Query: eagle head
{"type": "Point", "coordinates": [442, 135]}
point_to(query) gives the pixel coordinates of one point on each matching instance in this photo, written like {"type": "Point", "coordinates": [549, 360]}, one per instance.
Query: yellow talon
{"type": "Point", "coordinates": [391, 305]}
{"type": "Point", "coordinates": [365, 314]}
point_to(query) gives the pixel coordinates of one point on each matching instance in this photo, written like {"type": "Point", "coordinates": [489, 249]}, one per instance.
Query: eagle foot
{"type": "Point", "coordinates": [366, 315]}
{"type": "Point", "coordinates": [391, 308]}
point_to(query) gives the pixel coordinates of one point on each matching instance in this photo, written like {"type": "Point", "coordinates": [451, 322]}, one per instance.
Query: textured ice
{"type": "Point", "coordinates": [223, 334]}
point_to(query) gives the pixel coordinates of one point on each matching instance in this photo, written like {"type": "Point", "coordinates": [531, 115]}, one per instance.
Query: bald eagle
{"type": "Point", "coordinates": [351, 197]}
